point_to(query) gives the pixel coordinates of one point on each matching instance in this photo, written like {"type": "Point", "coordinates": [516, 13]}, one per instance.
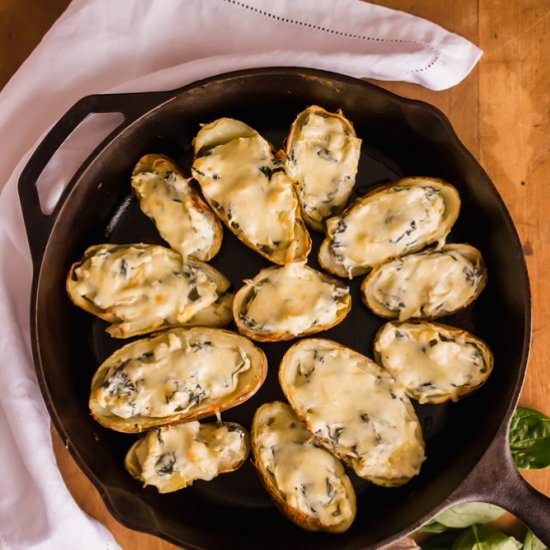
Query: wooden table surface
{"type": "Point", "coordinates": [502, 114]}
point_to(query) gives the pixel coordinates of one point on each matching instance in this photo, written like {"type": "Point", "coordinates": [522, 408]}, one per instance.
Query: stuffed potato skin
{"type": "Point", "coordinates": [355, 409]}
{"type": "Point", "coordinates": [426, 285]}
{"type": "Point", "coordinates": [175, 376]}
{"type": "Point", "coordinates": [180, 214]}
{"type": "Point", "coordinates": [173, 457]}
{"type": "Point", "coordinates": [247, 187]}
{"type": "Point", "coordinates": [435, 363]}
{"type": "Point", "coordinates": [307, 483]}
{"type": "Point", "coordinates": [322, 156]}
{"type": "Point", "coordinates": [141, 288]}
{"type": "Point", "coordinates": [389, 221]}
{"type": "Point", "coordinates": [282, 303]}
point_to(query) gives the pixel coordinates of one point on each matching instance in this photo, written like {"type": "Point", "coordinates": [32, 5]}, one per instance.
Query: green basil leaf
{"type": "Point", "coordinates": [433, 527]}
{"type": "Point", "coordinates": [530, 439]}
{"type": "Point", "coordinates": [443, 541]}
{"type": "Point", "coordinates": [532, 542]}
{"type": "Point", "coordinates": [479, 537]}
{"type": "Point", "coordinates": [469, 513]}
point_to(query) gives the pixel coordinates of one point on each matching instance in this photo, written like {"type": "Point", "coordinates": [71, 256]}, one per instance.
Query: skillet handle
{"type": "Point", "coordinates": [38, 224]}
{"type": "Point", "coordinates": [496, 480]}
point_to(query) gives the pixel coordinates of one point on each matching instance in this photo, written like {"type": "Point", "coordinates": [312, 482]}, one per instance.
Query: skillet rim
{"type": "Point", "coordinates": [165, 97]}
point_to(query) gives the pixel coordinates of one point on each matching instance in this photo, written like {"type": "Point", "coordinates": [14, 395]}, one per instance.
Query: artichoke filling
{"type": "Point", "coordinates": [170, 201]}
{"type": "Point", "coordinates": [250, 191]}
{"type": "Point", "coordinates": [429, 284]}
{"type": "Point", "coordinates": [173, 377]}
{"type": "Point", "coordinates": [430, 361]}
{"type": "Point", "coordinates": [309, 478]}
{"type": "Point", "coordinates": [389, 225]}
{"type": "Point", "coordinates": [292, 299]}
{"type": "Point", "coordinates": [144, 286]}
{"type": "Point", "coordinates": [356, 408]}
{"type": "Point", "coordinates": [173, 457]}
{"type": "Point", "coordinates": [323, 160]}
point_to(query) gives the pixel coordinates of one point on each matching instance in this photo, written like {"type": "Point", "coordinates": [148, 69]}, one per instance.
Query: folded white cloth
{"type": "Point", "coordinates": [134, 45]}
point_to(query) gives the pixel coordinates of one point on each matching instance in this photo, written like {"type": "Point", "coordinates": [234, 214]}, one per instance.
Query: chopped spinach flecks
{"type": "Point", "coordinates": [170, 177]}
{"type": "Point", "coordinates": [331, 491]}
{"type": "Point", "coordinates": [335, 433]}
{"type": "Point", "coordinates": [411, 229]}
{"type": "Point", "coordinates": [340, 227]}
{"type": "Point", "coordinates": [268, 172]}
{"type": "Point", "coordinates": [330, 197]}
{"type": "Point", "coordinates": [326, 154]}
{"type": "Point", "coordinates": [471, 276]}
{"type": "Point", "coordinates": [305, 371]}
{"type": "Point", "coordinates": [164, 466]}
{"type": "Point", "coordinates": [123, 267]}
{"type": "Point", "coordinates": [119, 383]}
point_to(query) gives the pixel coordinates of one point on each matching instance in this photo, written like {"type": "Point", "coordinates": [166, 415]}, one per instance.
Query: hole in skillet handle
{"type": "Point", "coordinates": [119, 112]}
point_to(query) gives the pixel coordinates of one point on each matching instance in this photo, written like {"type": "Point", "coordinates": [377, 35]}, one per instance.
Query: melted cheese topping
{"type": "Point", "coordinates": [428, 284]}
{"type": "Point", "coordinates": [143, 286]}
{"type": "Point", "coordinates": [430, 360]}
{"type": "Point", "coordinates": [250, 191]}
{"type": "Point", "coordinates": [308, 477]}
{"type": "Point", "coordinates": [292, 299]}
{"type": "Point", "coordinates": [389, 224]}
{"type": "Point", "coordinates": [356, 409]}
{"type": "Point", "coordinates": [177, 374]}
{"type": "Point", "coordinates": [170, 201]}
{"type": "Point", "coordinates": [171, 458]}
{"type": "Point", "coordinates": [323, 160]}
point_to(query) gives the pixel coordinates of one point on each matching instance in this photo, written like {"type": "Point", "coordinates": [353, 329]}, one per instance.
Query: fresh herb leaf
{"type": "Point", "coordinates": [532, 542]}
{"type": "Point", "coordinates": [479, 537]}
{"type": "Point", "coordinates": [469, 513]}
{"type": "Point", "coordinates": [530, 439]}
{"type": "Point", "coordinates": [433, 527]}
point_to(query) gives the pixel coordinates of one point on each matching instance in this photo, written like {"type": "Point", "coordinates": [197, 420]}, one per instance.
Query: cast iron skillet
{"type": "Point", "coordinates": [467, 451]}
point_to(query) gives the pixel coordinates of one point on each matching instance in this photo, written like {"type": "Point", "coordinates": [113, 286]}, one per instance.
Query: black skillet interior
{"type": "Point", "coordinates": [400, 138]}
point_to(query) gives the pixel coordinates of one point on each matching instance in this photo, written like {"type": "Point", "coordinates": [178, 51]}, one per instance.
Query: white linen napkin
{"type": "Point", "coordinates": [136, 45]}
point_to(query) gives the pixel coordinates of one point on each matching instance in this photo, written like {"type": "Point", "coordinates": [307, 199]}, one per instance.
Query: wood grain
{"type": "Point", "coordinates": [502, 114]}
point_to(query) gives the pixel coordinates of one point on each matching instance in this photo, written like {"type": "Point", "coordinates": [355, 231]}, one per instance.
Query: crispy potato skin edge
{"type": "Point", "coordinates": [140, 424]}
{"type": "Point", "coordinates": [132, 466]}
{"type": "Point", "coordinates": [285, 362]}
{"type": "Point", "coordinates": [468, 252]}
{"type": "Point", "coordinates": [299, 518]}
{"type": "Point", "coordinates": [300, 231]}
{"type": "Point", "coordinates": [315, 225]}
{"type": "Point", "coordinates": [325, 257]}
{"type": "Point", "coordinates": [146, 162]}
{"type": "Point", "coordinates": [487, 355]}
{"type": "Point", "coordinates": [282, 336]}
